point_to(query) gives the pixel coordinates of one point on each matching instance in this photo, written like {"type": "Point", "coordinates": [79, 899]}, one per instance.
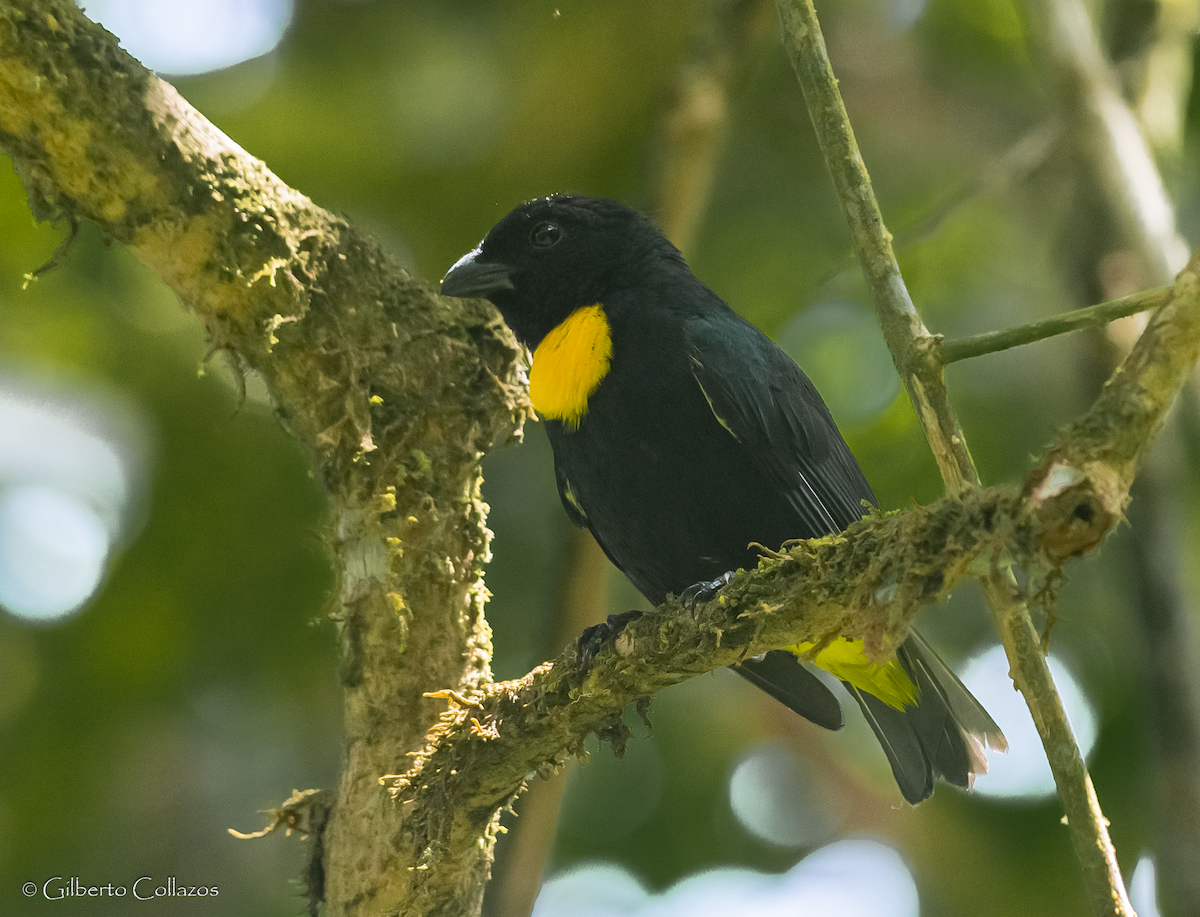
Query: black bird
{"type": "Point", "coordinates": [682, 435]}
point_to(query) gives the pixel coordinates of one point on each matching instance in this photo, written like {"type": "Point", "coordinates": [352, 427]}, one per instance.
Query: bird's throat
{"type": "Point", "coordinates": [569, 364]}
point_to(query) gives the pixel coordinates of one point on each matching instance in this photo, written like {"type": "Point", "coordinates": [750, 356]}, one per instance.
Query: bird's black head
{"type": "Point", "coordinates": [556, 254]}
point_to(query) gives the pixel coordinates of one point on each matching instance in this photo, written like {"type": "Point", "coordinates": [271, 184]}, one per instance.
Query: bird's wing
{"type": "Point", "coordinates": [771, 408]}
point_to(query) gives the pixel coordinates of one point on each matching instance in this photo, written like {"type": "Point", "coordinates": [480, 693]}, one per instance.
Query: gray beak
{"type": "Point", "coordinates": [472, 277]}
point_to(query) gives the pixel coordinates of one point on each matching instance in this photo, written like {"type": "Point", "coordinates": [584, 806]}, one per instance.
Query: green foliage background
{"type": "Point", "coordinates": [201, 686]}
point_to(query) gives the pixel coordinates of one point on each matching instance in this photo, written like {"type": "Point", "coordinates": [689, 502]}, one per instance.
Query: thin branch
{"type": "Point", "coordinates": [1114, 157]}
{"type": "Point", "coordinates": [1107, 138]}
{"type": "Point", "coordinates": [1096, 316]}
{"type": "Point", "coordinates": [692, 130]}
{"type": "Point", "coordinates": [907, 337]}
{"type": "Point", "coordinates": [915, 353]}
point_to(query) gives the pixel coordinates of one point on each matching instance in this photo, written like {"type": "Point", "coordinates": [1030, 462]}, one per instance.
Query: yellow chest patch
{"type": "Point", "coordinates": [569, 364]}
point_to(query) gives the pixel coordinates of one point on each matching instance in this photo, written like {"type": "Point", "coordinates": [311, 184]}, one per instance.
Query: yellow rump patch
{"type": "Point", "coordinates": [846, 660]}
{"type": "Point", "coordinates": [569, 364]}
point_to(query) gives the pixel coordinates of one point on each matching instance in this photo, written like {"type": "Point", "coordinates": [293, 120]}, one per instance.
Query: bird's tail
{"type": "Point", "coordinates": [782, 675]}
{"type": "Point", "coordinates": [946, 734]}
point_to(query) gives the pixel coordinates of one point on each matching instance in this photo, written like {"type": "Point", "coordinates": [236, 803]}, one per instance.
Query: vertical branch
{"type": "Point", "coordinates": [911, 344]}
{"type": "Point", "coordinates": [1107, 139]}
{"type": "Point", "coordinates": [692, 131]}
{"type": "Point", "coordinates": [1085, 820]}
{"type": "Point", "coordinates": [915, 351]}
{"type": "Point", "coordinates": [1112, 153]}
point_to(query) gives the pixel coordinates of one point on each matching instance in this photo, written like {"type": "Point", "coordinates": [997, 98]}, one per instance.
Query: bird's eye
{"type": "Point", "coordinates": [545, 235]}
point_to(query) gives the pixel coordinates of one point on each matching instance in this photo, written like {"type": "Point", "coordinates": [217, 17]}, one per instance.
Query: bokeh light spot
{"type": "Point", "coordinates": [193, 36]}
{"type": "Point", "coordinates": [591, 890]}
{"type": "Point", "coordinates": [53, 548]}
{"type": "Point", "coordinates": [851, 878]}
{"type": "Point", "coordinates": [1023, 771]}
{"type": "Point", "coordinates": [1143, 888]}
{"type": "Point", "coordinates": [771, 795]}
{"type": "Point", "coordinates": [72, 484]}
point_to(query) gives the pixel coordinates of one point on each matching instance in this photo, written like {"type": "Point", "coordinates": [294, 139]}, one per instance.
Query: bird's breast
{"type": "Point", "coordinates": [569, 365]}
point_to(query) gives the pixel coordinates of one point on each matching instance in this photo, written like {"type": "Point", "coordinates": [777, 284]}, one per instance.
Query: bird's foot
{"type": "Point", "coordinates": [592, 640]}
{"type": "Point", "coordinates": [698, 593]}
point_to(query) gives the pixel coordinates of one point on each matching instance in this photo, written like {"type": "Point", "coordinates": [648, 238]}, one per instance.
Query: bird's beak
{"type": "Point", "coordinates": [472, 277]}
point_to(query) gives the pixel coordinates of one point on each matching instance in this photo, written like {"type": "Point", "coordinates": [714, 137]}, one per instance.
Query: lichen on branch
{"type": "Point", "coordinates": [394, 392]}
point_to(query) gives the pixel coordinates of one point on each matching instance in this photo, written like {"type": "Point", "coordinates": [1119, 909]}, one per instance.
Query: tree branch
{"type": "Point", "coordinates": [1096, 316]}
{"type": "Point", "coordinates": [915, 352]}
{"type": "Point", "coordinates": [1115, 159]}
{"type": "Point", "coordinates": [866, 582]}
{"type": "Point", "coordinates": [907, 337]}
{"type": "Point", "coordinates": [394, 392]}
{"type": "Point", "coordinates": [1106, 136]}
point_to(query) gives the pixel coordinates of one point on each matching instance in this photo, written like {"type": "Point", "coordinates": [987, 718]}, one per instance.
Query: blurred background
{"type": "Point", "coordinates": [166, 667]}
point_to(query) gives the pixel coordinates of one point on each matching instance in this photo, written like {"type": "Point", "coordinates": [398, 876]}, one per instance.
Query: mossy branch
{"type": "Point", "coordinates": [394, 392]}
{"type": "Point", "coordinates": [867, 582]}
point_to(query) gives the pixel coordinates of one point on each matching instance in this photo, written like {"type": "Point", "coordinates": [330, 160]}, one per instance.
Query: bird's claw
{"type": "Point", "coordinates": [592, 640]}
{"type": "Point", "coordinates": [701, 592]}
